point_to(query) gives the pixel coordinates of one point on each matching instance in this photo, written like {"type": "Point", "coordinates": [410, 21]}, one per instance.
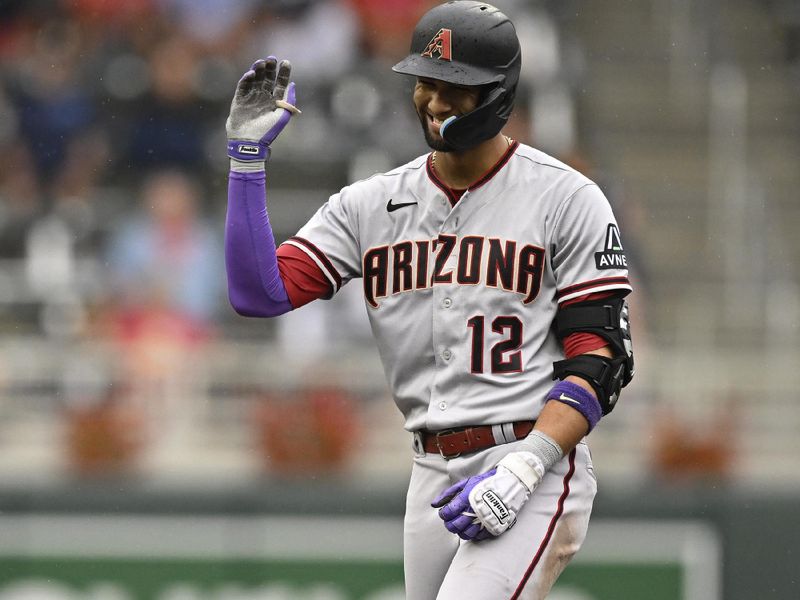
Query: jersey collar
{"type": "Point", "coordinates": [454, 195]}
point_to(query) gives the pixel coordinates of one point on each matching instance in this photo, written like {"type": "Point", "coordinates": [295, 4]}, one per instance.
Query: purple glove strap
{"type": "Point", "coordinates": [255, 287]}
{"type": "Point", "coordinates": [244, 150]}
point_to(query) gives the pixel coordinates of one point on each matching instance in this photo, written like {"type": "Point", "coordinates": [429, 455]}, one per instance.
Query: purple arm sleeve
{"type": "Point", "coordinates": [255, 287]}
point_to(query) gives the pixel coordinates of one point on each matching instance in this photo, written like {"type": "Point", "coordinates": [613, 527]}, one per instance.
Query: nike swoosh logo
{"type": "Point", "coordinates": [393, 207]}
{"type": "Point", "coordinates": [566, 398]}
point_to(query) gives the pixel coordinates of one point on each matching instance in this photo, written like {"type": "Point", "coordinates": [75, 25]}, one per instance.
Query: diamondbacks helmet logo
{"type": "Point", "coordinates": [441, 45]}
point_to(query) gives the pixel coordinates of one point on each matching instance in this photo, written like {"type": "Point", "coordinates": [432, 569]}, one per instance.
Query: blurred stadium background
{"type": "Point", "coordinates": [155, 445]}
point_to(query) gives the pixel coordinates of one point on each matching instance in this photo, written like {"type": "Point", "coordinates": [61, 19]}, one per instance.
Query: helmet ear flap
{"type": "Point", "coordinates": [506, 105]}
{"type": "Point", "coordinates": [479, 124]}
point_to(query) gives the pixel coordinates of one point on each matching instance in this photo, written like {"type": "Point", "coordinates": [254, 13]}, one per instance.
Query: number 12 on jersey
{"type": "Point", "coordinates": [505, 355]}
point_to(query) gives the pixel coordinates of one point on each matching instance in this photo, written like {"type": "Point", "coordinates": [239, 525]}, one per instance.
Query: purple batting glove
{"type": "Point", "coordinates": [456, 511]}
{"type": "Point", "coordinates": [262, 106]}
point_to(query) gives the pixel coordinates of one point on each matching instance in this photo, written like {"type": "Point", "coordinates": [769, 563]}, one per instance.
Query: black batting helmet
{"type": "Point", "coordinates": [465, 42]}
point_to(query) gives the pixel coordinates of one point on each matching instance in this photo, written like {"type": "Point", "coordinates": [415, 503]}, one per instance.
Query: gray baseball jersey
{"type": "Point", "coordinates": [461, 295]}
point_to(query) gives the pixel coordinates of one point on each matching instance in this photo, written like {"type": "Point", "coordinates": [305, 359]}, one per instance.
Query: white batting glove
{"type": "Point", "coordinates": [487, 504]}
{"type": "Point", "coordinates": [261, 108]}
{"type": "Point", "coordinates": [498, 499]}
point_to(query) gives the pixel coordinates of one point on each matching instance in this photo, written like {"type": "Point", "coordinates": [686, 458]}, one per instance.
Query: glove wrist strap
{"type": "Point", "coordinates": [525, 466]}
{"type": "Point", "coordinates": [539, 453]}
{"type": "Point", "coordinates": [247, 150]}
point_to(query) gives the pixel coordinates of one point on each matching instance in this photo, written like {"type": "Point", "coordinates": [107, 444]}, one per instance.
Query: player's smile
{"type": "Point", "coordinates": [434, 124]}
{"type": "Point", "coordinates": [437, 100]}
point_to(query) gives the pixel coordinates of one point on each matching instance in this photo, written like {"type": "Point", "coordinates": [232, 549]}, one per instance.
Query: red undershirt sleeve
{"type": "Point", "coordinates": [302, 278]}
{"type": "Point", "coordinates": [581, 343]}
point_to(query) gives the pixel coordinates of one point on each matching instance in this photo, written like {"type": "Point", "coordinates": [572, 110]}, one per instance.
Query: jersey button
{"type": "Point", "coordinates": [447, 355]}
{"type": "Point", "coordinates": [447, 302]}
{"type": "Point", "coordinates": [442, 405]}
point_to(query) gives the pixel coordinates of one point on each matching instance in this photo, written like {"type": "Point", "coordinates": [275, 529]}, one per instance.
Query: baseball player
{"type": "Point", "coordinates": [494, 278]}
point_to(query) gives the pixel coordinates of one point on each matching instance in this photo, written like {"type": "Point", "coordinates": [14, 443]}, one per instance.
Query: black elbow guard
{"type": "Point", "coordinates": [607, 318]}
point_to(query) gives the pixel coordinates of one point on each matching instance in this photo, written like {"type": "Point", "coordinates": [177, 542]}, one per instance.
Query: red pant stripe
{"type": "Point", "coordinates": [550, 529]}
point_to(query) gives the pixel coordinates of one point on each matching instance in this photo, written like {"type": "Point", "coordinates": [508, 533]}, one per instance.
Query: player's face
{"type": "Point", "coordinates": [437, 100]}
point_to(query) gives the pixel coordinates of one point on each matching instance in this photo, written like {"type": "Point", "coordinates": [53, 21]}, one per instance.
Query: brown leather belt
{"type": "Point", "coordinates": [454, 442]}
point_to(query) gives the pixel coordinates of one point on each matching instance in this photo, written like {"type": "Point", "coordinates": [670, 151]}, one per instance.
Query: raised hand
{"type": "Point", "coordinates": [261, 108]}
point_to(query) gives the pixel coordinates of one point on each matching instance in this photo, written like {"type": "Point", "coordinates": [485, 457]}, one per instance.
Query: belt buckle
{"type": "Point", "coordinates": [439, 445]}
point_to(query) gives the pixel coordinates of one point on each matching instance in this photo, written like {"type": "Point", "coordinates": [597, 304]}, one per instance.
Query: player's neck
{"type": "Point", "coordinates": [461, 169]}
